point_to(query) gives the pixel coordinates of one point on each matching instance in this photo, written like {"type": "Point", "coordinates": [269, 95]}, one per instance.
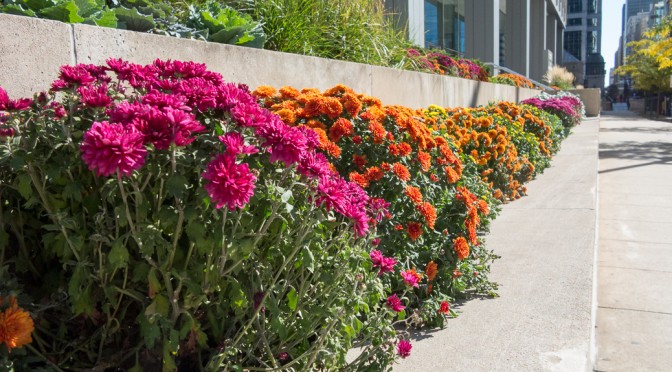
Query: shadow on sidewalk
{"type": "Point", "coordinates": [656, 152]}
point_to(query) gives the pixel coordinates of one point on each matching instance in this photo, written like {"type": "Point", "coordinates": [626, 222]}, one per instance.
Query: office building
{"type": "Point", "coordinates": [523, 35]}
{"type": "Point", "coordinates": [583, 41]}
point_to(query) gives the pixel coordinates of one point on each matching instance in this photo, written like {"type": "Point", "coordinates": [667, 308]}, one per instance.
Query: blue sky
{"type": "Point", "coordinates": [611, 31]}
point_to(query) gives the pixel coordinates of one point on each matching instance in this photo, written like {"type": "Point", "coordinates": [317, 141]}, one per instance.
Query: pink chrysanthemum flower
{"type": "Point", "coordinates": [7, 104]}
{"type": "Point", "coordinates": [285, 143]}
{"type": "Point", "coordinates": [108, 148]}
{"type": "Point", "coordinates": [162, 128]}
{"type": "Point", "coordinates": [235, 144]}
{"type": "Point", "coordinates": [394, 303]}
{"type": "Point", "coordinates": [314, 165]}
{"type": "Point", "coordinates": [410, 278]}
{"type": "Point", "coordinates": [229, 183]}
{"type": "Point", "coordinates": [75, 75]}
{"type": "Point", "coordinates": [95, 96]}
{"type": "Point", "coordinates": [386, 264]}
{"type": "Point", "coordinates": [404, 348]}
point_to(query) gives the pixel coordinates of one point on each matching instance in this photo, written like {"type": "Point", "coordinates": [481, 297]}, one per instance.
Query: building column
{"type": "Point", "coordinates": [517, 36]}
{"type": "Point", "coordinates": [551, 37]}
{"type": "Point", "coordinates": [416, 22]}
{"type": "Point", "coordinates": [560, 45]}
{"type": "Point", "coordinates": [538, 53]}
{"type": "Point", "coordinates": [481, 19]}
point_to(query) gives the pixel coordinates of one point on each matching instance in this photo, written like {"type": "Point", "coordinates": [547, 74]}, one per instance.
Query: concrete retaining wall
{"type": "Point", "coordinates": [31, 50]}
{"type": "Point", "coordinates": [591, 98]}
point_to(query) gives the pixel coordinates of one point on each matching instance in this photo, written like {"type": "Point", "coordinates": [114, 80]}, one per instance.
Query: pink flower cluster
{"type": "Point", "coordinates": [164, 110]}
{"type": "Point", "coordinates": [7, 104]}
{"type": "Point", "coordinates": [404, 348]}
{"type": "Point", "coordinates": [386, 264]}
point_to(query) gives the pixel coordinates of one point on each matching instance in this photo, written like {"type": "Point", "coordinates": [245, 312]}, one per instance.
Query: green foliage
{"type": "Point", "coordinates": [205, 21]}
{"type": "Point", "coordinates": [350, 30]}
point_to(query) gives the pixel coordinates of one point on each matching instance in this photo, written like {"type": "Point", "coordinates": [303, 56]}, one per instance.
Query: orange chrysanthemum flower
{"type": "Point", "coordinates": [351, 103]}
{"type": "Point", "coordinates": [431, 270]}
{"type": "Point", "coordinates": [433, 177]}
{"type": "Point", "coordinates": [332, 107]}
{"type": "Point", "coordinates": [414, 194]}
{"type": "Point", "coordinates": [401, 171]}
{"type": "Point", "coordinates": [471, 224]}
{"type": "Point", "coordinates": [429, 213]}
{"type": "Point", "coordinates": [386, 166]}
{"type": "Point", "coordinates": [425, 160]}
{"type": "Point", "coordinates": [461, 247]}
{"type": "Point", "coordinates": [316, 124]}
{"type": "Point", "coordinates": [452, 175]}
{"type": "Point", "coordinates": [414, 230]}
{"type": "Point", "coordinates": [342, 127]}
{"type": "Point", "coordinates": [287, 116]}
{"type": "Point", "coordinates": [359, 160]}
{"type": "Point", "coordinates": [16, 325]}
{"type": "Point", "coordinates": [264, 91]}
{"type": "Point", "coordinates": [333, 149]}
{"type": "Point", "coordinates": [359, 179]}
{"type": "Point", "coordinates": [314, 106]}
{"type": "Point", "coordinates": [404, 149]}
{"type": "Point", "coordinates": [378, 131]}
{"type": "Point", "coordinates": [483, 207]}
{"type": "Point", "coordinates": [289, 93]}
{"type": "Point", "coordinates": [373, 174]}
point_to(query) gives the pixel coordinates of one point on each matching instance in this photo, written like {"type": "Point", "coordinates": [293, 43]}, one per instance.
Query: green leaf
{"type": "Point", "coordinates": [25, 186]}
{"type": "Point", "coordinates": [65, 12]}
{"type": "Point", "coordinates": [17, 10]}
{"type": "Point", "coordinates": [38, 4]}
{"type": "Point", "coordinates": [176, 185]}
{"type": "Point", "coordinates": [292, 299]}
{"type": "Point", "coordinates": [308, 259]}
{"type": "Point", "coordinates": [401, 315]}
{"type": "Point", "coordinates": [118, 256]}
{"type": "Point", "coordinates": [104, 18]}
{"type": "Point", "coordinates": [159, 306]}
{"type": "Point", "coordinates": [150, 330]}
{"type": "Point", "coordinates": [286, 196]}
{"type": "Point", "coordinates": [88, 7]}
{"type": "Point", "coordinates": [227, 36]}
{"type": "Point", "coordinates": [131, 19]}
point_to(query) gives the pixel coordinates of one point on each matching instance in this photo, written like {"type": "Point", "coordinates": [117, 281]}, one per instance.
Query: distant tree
{"type": "Point", "coordinates": [650, 64]}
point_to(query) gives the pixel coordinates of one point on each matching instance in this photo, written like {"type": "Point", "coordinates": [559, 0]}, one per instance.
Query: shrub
{"type": "Point", "coordinates": [436, 197]}
{"type": "Point", "coordinates": [558, 76]}
{"type": "Point", "coordinates": [566, 106]}
{"type": "Point", "coordinates": [163, 197]}
{"type": "Point", "coordinates": [350, 30]}
{"type": "Point", "coordinates": [438, 62]}
{"type": "Point", "coordinates": [513, 79]}
{"type": "Point", "coordinates": [207, 20]}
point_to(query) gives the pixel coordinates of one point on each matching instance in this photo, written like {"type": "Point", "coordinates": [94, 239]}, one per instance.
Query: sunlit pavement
{"type": "Point", "coordinates": [634, 315]}
{"type": "Point", "coordinates": [543, 317]}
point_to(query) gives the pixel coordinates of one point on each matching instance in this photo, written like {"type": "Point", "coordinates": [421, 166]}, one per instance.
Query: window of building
{"type": "Point", "coordinates": [573, 43]}
{"type": "Point", "coordinates": [444, 24]}
{"type": "Point", "coordinates": [592, 22]}
{"type": "Point", "coordinates": [575, 22]}
{"type": "Point", "coordinates": [592, 6]}
{"type": "Point", "coordinates": [575, 6]}
{"type": "Point", "coordinates": [591, 42]}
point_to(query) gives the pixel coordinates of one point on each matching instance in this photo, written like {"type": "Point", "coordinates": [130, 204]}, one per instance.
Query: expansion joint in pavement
{"type": "Point", "coordinates": [635, 310]}
{"type": "Point", "coordinates": [636, 268]}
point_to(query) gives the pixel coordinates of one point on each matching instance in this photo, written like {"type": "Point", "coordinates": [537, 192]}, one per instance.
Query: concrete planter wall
{"type": "Point", "coordinates": [31, 50]}
{"type": "Point", "coordinates": [592, 99]}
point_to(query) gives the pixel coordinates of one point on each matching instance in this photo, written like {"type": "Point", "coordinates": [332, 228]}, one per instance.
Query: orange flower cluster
{"type": "Point", "coordinates": [431, 270]}
{"type": "Point", "coordinates": [519, 81]}
{"type": "Point", "coordinates": [461, 247]}
{"type": "Point", "coordinates": [16, 325]}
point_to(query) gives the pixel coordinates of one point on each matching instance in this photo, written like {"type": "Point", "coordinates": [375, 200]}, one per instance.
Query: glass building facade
{"type": "Point", "coordinates": [444, 24]}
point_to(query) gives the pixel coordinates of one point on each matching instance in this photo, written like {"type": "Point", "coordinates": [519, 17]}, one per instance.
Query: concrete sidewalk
{"type": "Point", "coordinates": [634, 317]}
{"type": "Point", "coordinates": [543, 319]}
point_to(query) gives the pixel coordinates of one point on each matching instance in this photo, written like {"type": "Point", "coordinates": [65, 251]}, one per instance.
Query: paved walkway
{"type": "Point", "coordinates": [634, 316]}
{"type": "Point", "coordinates": [543, 317]}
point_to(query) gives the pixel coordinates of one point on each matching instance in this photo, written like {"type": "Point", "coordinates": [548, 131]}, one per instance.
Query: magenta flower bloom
{"type": "Point", "coordinates": [94, 96]}
{"type": "Point", "coordinates": [235, 144]}
{"type": "Point", "coordinates": [404, 348]}
{"type": "Point", "coordinates": [394, 303]}
{"type": "Point", "coordinates": [162, 128]}
{"type": "Point", "coordinates": [410, 278]}
{"type": "Point", "coordinates": [75, 76]}
{"type": "Point", "coordinates": [386, 264]}
{"type": "Point", "coordinates": [13, 104]}
{"type": "Point", "coordinates": [250, 115]}
{"type": "Point", "coordinates": [108, 148]}
{"type": "Point", "coordinates": [284, 143]}
{"type": "Point", "coordinates": [229, 183]}
{"type": "Point", "coordinates": [314, 165]}
{"type": "Point", "coordinates": [6, 132]}
{"type": "Point", "coordinates": [162, 100]}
